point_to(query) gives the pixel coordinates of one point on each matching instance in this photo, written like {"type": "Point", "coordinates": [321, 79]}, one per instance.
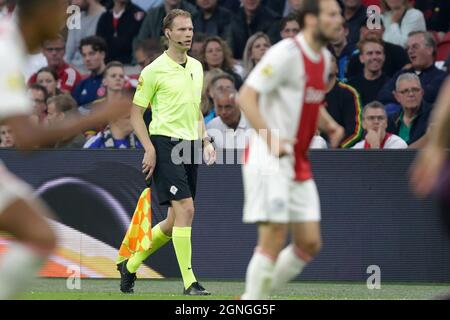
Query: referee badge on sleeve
{"type": "Point", "coordinates": [140, 83]}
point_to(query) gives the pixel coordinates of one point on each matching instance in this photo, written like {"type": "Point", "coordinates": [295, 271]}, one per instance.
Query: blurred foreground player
{"type": "Point", "coordinates": [283, 101]}
{"type": "Point", "coordinates": [22, 216]}
{"type": "Point", "coordinates": [431, 169]}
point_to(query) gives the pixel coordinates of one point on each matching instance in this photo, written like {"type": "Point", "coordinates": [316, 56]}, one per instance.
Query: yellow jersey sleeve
{"type": "Point", "coordinates": [145, 89]}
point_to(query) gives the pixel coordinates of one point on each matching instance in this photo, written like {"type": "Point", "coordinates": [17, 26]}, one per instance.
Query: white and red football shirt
{"type": "Point", "coordinates": [68, 78]}
{"type": "Point", "coordinates": [390, 141]}
{"type": "Point", "coordinates": [14, 99]}
{"type": "Point", "coordinates": [291, 82]}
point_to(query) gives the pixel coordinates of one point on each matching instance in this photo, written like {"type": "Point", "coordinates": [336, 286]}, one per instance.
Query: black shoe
{"type": "Point", "coordinates": [127, 278]}
{"type": "Point", "coordinates": [196, 289]}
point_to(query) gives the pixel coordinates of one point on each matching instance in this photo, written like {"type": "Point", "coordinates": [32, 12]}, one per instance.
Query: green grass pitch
{"type": "Point", "coordinates": [108, 289]}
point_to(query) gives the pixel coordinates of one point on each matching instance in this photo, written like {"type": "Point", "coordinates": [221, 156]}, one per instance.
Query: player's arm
{"type": "Point", "coordinates": [431, 158]}
{"type": "Point", "coordinates": [138, 123]}
{"type": "Point", "coordinates": [248, 102]}
{"type": "Point", "coordinates": [30, 135]}
{"type": "Point", "coordinates": [327, 124]}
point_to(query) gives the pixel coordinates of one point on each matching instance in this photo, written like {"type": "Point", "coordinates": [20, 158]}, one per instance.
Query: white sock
{"type": "Point", "coordinates": [18, 267]}
{"type": "Point", "coordinates": [259, 277]}
{"type": "Point", "coordinates": [289, 265]}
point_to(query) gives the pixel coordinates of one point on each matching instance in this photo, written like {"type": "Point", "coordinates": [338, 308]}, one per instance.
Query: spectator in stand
{"type": "Point", "coordinates": [118, 135]}
{"type": "Point", "coordinates": [198, 43]}
{"type": "Point", "coordinates": [7, 8]}
{"type": "Point", "coordinates": [318, 142]}
{"type": "Point", "coordinates": [207, 104]}
{"type": "Point", "coordinates": [421, 51]}
{"type": "Point", "coordinates": [212, 19]}
{"type": "Point", "coordinates": [91, 10]}
{"type": "Point", "coordinates": [436, 13]}
{"type": "Point", "coordinates": [39, 96]}
{"type": "Point", "coordinates": [48, 78]}
{"type": "Point", "coordinates": [147, 51]}
{"type": "Point", "coordinates": [257, 45]}
{"type": "Point", "coordinates": [67, 76]}
{"type": "Point", "coordinates": [252, 17]}
{"type": "Point", "coordinates": [289, 26]}
{"type": "Point", "coordinates": [411, 121]}
{"type": "Point", "coordinates": [283, 7]}
{"type": "Point", "coordinates": [114, 84]}
{"type": "Point", "coordinates": [119, 26]}
{"type": "Point", "coordinates": [396, 57]}
{"type": "Point", "coordinates": [400, 20]}
{"type": "Point", "coordinates": [60, 108]}
{"type": "Point", "coordinates": [147, 4]}
{"type": "Point", "coordinates": [217, 54]}
{"type": "Point", "coordinates": [368, 3]}
{"type": "Point", "coordinates": [93, 50]}
{"type": "Point", "coordinates": [229, 128]}
{"type": "Point", "coordinates": [153, 22]}
{"type": "Point", "coordinates": [232, 5]}
{"type": "Point", "coordinates": [372, 79]}
{"type": "Point", "coordinates": [354, 13]}
{"type": "Point", "coordinates": [342, 103]}
{"type": "Point", "coordinates": [375, 123]}
{"type": "Point", "coordinates": [6, 137]}
{"type": "Point", "coordinates": [343, 50]}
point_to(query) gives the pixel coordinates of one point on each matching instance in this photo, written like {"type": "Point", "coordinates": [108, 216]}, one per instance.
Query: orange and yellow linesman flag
{"type": "Point", "coordinates": [139, 235]}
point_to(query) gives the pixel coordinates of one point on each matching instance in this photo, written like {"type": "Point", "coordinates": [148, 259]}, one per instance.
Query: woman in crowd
{"type": "Point", "coordinates": [48, 78]}
{"type": "Point", "coordinates": [399, 20]}
{"type": "Point", "coordinates": [217, 54]}
{"type": "Point", "coordinates": [256, 47]}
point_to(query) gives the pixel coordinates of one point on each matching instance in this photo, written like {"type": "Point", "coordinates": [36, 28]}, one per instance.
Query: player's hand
{"type": "Point", "coordinates": [149, 162]}
{"type": "Point", "coordinates": [209, 153]}
{"type": "Point", "coordinates": [425, 170]}
{"type": "Point", "coordinates": [281, 147]}
{"type": "Point", "coordinates": [335, 135]}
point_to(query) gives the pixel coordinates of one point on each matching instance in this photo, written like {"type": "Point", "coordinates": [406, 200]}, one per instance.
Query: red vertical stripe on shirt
{"type": "Point", "coordinates": [313, 95]}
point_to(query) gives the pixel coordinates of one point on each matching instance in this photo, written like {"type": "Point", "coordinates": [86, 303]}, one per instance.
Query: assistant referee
{"type": "Point", "coordinates": [172, 86]}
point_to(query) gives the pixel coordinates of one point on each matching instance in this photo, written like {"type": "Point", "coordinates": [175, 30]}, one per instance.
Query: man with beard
{"type": "Point", "coordinates": [285, 108]}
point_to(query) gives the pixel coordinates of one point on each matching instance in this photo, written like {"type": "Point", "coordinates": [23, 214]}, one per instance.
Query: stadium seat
{"type": "Point", "coordinates": [443, 48]}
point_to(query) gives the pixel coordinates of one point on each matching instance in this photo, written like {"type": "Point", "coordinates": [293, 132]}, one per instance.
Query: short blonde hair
{"type": "Point", "coordinates": [168, 19]}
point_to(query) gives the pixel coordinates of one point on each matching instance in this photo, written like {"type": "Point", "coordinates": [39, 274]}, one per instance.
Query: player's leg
{"type": "Point", "coordinates": [293, 259]}
{"type": "Point", "coordinates": [35, 240]}
{"type": "Point", "coordinates": [306, 238]}
{"type": "Point", "coordinates": [271, 239]}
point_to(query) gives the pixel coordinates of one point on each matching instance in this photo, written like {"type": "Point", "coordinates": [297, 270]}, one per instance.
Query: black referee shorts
{"type": "Point", "coordinates": [175, 174]}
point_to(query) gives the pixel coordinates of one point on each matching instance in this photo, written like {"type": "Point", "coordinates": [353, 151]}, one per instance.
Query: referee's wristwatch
{"type": "Point", "coordinates": [209, 139]}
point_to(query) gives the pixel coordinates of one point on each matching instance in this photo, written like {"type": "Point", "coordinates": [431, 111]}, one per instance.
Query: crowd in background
{"type": "Point", "coordinates": [383, 83]}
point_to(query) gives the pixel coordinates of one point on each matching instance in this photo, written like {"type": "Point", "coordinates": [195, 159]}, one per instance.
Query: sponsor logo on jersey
{"type": "Point", "coordinates": [312, 95]}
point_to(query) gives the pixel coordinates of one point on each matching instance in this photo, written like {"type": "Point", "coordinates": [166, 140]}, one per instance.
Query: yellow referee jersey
{"type": "Point", "coordinates": [174, 93]}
